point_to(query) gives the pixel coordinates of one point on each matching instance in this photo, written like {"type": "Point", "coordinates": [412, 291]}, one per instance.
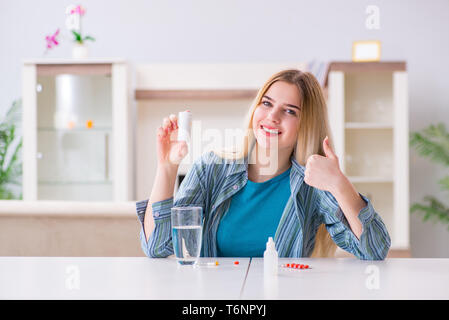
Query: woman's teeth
{"type": "Point", "coordinates": [272, 131]}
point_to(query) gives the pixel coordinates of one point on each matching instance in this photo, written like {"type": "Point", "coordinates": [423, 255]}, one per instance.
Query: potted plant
{"type": "Point", "coordinates": [73, 23]}
{"type": "Point", "coordinates": [433, 142]}
{"type": "Point", "coordinates": [10, 147]}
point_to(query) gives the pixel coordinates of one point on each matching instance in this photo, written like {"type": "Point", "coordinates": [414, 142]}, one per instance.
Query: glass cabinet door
{"type": "Point", "coordinates": [74, 137]}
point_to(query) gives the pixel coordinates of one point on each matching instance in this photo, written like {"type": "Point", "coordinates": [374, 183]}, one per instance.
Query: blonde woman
{"type": "Point", "coordinates": [284, 182]}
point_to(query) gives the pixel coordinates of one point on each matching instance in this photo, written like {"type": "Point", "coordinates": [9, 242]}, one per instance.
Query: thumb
{"type": "Point", "coordinates": [328, 150]}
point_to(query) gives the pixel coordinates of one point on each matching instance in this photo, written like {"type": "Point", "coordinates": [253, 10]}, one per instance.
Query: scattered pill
{"type": "Point", "coordinates": [216, 263]}
{"type": "Point", "coordinates": [236, 262]}
{"type": "Point", "coordinates": [295, 266]}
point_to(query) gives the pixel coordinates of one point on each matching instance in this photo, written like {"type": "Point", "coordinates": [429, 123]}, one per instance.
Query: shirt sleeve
{"type": "Point", "coordinates": [159, 243]}
{"type": "Point", "coordinates": [374, 241]}
{"type": "Point", "coordinates": [191, 192]}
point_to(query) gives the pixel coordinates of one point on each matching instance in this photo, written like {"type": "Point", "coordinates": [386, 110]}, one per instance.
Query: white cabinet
{"type": "Point", "coordinates": [368, 113]}
{"type": "Point", "coordinates": [77, 130]}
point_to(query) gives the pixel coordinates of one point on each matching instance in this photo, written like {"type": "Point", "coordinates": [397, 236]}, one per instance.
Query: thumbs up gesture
{"type": "Point", "coordinates": [324, 172]}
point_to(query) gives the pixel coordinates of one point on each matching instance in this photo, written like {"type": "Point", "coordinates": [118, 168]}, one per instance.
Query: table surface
{"type": "Point", "coordinates": [144, 278]}
{"type": "Point", "coordinates": [119, 278]}
{"type": "Point", "coordinates": [354, 279]}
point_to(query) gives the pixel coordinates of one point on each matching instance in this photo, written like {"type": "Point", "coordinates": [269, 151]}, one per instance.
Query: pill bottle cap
{"type": "Point", "coordinates": [270, 244]}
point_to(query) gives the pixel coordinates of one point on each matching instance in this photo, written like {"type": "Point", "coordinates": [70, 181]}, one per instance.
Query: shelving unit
{"type": "Point", "coordinates": [368, 112]}
{"type": "Point", "coordinates": [77, 140]}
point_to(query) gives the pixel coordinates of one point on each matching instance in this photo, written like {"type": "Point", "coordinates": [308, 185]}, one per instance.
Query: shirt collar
{"type": "Point", "coordinates": [242, 166]}
{"type": "Point", "coordinates": [296, 166]}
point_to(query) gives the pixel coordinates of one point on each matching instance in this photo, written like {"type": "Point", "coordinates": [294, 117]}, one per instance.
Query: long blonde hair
{"type": "Point", "coordinates": [313, 127]}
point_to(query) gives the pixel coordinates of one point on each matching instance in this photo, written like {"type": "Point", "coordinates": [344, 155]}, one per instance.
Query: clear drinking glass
{"type": "Point", "coordinates": [187, 233]}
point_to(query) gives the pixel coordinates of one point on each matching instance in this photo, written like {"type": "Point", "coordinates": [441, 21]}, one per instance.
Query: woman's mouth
{"type": "Point", "coordinates": [270, 132]}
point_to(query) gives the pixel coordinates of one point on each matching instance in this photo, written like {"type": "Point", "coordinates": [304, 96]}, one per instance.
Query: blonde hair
{"type": "Point", "coordinates": [313, 127]}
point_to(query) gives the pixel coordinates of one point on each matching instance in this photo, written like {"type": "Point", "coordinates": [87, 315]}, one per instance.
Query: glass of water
{"type": "Point", "coordinates": [187, 233]}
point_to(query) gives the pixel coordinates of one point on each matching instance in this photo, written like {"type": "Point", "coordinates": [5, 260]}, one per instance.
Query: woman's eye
{"type": "Point", "coordinates": [291, 112]}
{"type": "Point", "coordinates": [266, 103]}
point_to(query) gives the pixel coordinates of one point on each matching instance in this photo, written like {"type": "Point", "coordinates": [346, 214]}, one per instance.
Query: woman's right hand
{"type": "Point", "coordinates": [170, 152]}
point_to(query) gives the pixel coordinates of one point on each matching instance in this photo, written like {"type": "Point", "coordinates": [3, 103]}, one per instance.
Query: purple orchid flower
{"type": "Point", "coordinates": [51, 40]}
{"type": "Point", "coordinates": [78, 9]}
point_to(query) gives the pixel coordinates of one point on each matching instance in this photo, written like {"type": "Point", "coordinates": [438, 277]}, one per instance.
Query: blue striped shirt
{"type": "Point", "coordinates": [212, 181]}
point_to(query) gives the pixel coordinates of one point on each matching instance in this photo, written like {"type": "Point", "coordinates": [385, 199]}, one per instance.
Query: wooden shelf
{"type": "Point", "coordinates": [348, 67]}
{"type": "Point", "coordinates": [74, 69]}
{"type": "Point", "coordinates": [204, 94]}
{"type": "Point", "coordinates": [368, 125]}
{"type": "Point", "coordinates": [353, 67]}
{"type": "Point", "coordinates": [69, 183]}
{"type": "Point", "coordinates": [366, 179]}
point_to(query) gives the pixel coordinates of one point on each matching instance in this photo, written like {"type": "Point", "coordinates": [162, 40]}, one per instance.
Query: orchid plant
{"type": "Point", "coordinates": [73, 23]}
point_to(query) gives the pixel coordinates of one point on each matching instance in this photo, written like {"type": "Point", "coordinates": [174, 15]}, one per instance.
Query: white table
{"type": "Point", "coordinates": [144, 278]}
{"type": "Point", "coordinates": [351, 279]}
{"type": "Point", "coordinates": [119, 278]}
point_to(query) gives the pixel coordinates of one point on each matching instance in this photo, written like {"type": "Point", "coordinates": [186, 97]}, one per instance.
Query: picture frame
{"type": "Point", "coordinates": [366, 51]}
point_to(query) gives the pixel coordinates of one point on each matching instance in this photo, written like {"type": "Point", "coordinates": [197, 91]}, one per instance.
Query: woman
{"type": "Point", "coordinates": [284, 181]}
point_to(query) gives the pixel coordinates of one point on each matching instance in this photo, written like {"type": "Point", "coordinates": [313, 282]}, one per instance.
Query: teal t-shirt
{"type": "Point", "coordinates": [252, 217]}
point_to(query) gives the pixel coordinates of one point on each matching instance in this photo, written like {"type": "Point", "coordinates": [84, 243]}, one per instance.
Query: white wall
{"type": "Point", "coordinates": [145, 31]}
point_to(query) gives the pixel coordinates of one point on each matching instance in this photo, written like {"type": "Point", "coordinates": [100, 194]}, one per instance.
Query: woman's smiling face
{"type": "Point", "coordinates": [277, 116]}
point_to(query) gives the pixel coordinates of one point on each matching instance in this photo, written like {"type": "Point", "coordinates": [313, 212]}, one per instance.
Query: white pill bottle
{"type": "Point", "coordinates": [270, 259]}
{"type": "Point", "coordinates": [184, 126]}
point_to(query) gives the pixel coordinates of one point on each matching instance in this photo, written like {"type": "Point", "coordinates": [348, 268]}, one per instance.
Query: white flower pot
{"type": "Point", "coordinates": [79, 51]}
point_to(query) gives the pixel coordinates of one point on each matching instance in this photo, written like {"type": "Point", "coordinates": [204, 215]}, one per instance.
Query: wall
{"type": "Point", "coordinates": [145, 31]}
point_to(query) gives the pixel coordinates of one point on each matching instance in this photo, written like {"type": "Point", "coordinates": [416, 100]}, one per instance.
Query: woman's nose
{"type": "Point", "coordinates": [273, 115]}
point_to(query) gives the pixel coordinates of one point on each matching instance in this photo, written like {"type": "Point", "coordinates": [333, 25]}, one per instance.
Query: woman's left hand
{"type": "Point", "coordinates": [324, 172]}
